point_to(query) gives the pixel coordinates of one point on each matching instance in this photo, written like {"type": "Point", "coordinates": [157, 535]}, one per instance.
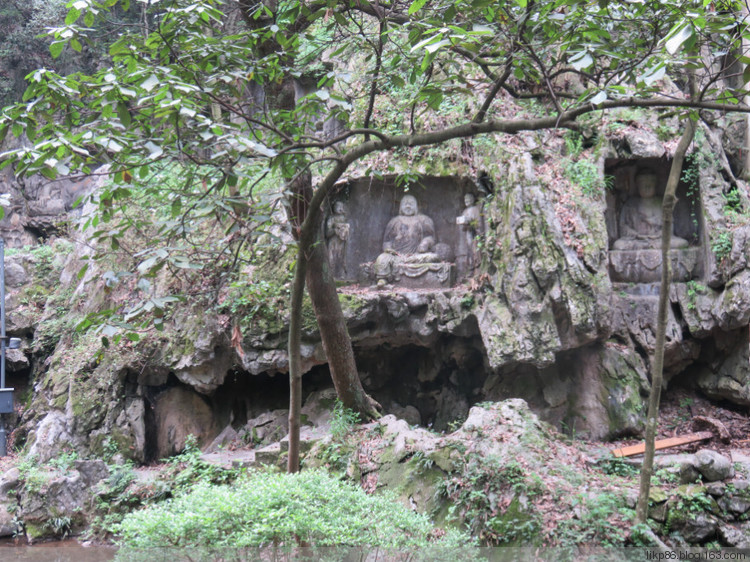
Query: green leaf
{"type": "Point", "coordinates": [416, 6]}
{"type": "Point", "coordinates": [679, 37]}
{"type": "Point", "coordinates": [124, 114]}
{"type": "Point", "coordinates": [73, 15]}
{"type": "Point", "coordinates": [432, 39]}
{"type": "Point", "coordinates": [746, 75]}
{"type": "Point", "coordinates": [601, 97]}
{"type": "Point", "coordinates": [56, 48]}
{"type": "Point", "coordinates": [654, 74]}
{"type": "Point", "coordinates": [581, 60]}
{"type": "Point", "coordinates": [154, 150]}
{"type": "Point", "coordinates": [150, 83]}
{"type": "Point", "coordinates": [435, 46]}
{"type": "Point", "coordinates": [132, 336]}
{"type": "Point", "coordinates": [119, 46]}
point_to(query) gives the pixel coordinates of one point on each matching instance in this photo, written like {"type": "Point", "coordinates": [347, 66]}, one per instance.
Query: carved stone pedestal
{"type": "Point", "coordinates": [644, 266]}
{"type": "Point", "coordinates": [438, 275]}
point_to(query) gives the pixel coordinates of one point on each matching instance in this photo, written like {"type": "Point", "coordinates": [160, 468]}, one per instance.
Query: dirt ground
{"type": "Point", "coordinates": [678, 410]}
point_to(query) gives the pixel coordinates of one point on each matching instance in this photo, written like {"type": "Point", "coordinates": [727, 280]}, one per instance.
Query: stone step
{"type": "Point", "coordinates": [308, 436]}
{"type": "Point", "coordinates": [230, 459]}
{"type": "Point", "coordinates": [269, 454]}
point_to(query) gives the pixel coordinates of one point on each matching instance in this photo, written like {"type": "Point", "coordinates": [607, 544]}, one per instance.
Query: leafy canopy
{"type": "Point", "coordinates": [228, 99]}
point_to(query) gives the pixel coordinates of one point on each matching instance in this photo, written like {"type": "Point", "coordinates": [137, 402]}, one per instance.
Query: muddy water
{"type": "Point", "coordinates": [57, 551]}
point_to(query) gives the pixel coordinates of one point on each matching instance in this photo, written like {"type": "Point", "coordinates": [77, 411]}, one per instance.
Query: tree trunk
{"type": "Point", "coordinates": [335, 337]}
{"type": "Point", "coordinates": [313, 267]}
{"type": "Point", "coordinates": [295, 364]}
{"type": "Point", "coordinates": [657, 366]}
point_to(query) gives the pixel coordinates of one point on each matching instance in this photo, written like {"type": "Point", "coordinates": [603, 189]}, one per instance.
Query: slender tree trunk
{"type": "Point", "coordinates": [312, 266]}
{"type": "Point", "coordinates": [333, 333]}
{"type": "Point", "coordinates": [746, 148]}
{"type": "Point", "coordinates": [295, 363]}
{"type": "Point", "coordinates": [657, 366]}
{"type": "Point", "coordinates": [301, 190]}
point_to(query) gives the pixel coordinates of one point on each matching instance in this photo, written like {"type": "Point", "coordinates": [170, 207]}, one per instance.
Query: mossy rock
{"type": "Point", "coordinates": [518, 526]}
{"type": "Point", "coordinates": [418, 481]}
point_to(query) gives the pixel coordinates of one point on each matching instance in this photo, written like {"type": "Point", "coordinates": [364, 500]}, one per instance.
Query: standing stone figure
{"type": "Point", "coordinates": [641, 218]}
{"type": "Point", "coordinates": [337, 234]}
{"type": "Point", "coordinates": [409, 238]}
{"type": "Point", "coordinates": [470, 223]}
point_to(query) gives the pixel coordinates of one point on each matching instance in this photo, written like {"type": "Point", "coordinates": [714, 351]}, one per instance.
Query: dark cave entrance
{"type": "Point", "coordinates": [174, 410]}
{"type": "Point", "coordinates": [429, 386]}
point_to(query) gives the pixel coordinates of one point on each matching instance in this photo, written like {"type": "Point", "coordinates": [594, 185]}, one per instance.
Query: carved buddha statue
{"type": "Point", "coordinates": [409, 238]}
{"type": "Point", "coordinates": [641, 218]}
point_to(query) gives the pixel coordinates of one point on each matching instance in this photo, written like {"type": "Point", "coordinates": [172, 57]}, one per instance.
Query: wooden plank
{"type": "Point", "coordinates": [663, 444]}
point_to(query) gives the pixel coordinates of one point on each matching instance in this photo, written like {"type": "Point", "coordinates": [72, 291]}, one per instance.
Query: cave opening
{"type": "Point", "coordinates": [433, 387]}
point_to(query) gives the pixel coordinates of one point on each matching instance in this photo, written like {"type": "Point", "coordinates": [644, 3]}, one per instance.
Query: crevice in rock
{"type": "Point", "coordinates": [677, 313]}
{"type": "Point", "coordinates": [644, 353]}
{"type": "Point", "coordinates": [150, 393]}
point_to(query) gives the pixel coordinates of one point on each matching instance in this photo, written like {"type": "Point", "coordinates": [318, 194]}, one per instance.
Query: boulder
{"type": "Point", "coordinates": [266, 428]}
{"type": "Point", "coordinates": [54, 504]}
{"type": "Point", "coordinates": [179, 412]}
{"type": "Point", "coordinates": [50, 436]}
{"type": "Point", "coordinates": [318, 407]}
{"type": "Point", "coordinates": [737, 536]}
{"type": "Point", "coordinates": [227, 436]}
{"type": "Point", "coordinates": [407, 413]}
{"type": "Point", "coordinates": [713, 466]}
{"type": "Point", "coordinates": [15, 274]}
{"type": "Point", "coordinates": [699, 529]}
{"type": "Point", "coordinates": [9, 488]}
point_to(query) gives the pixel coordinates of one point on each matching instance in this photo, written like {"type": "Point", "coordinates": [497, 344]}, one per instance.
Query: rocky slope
{"type": "Point", "coordinates": [546, 317]}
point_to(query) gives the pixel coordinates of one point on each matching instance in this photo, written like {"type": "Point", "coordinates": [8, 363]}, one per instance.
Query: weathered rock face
{"type": "Point", "coordinates": [40, 207]}
{"type": "Point", "coordinates": [54, 505]}
{"type": "Point", "coordinates": [543, 318]}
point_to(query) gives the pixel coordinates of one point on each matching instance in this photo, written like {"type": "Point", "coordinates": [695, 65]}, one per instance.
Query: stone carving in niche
{"type": "Point", "coordinates": [410, 251]}
{"type": "Point", "coordinates": [635, 225]}
{"type": "Point", "coordinates": [337, 234]}
{"type": "Point", "coordinates": [471, 227]}
{"type": "Point", "coordinates": [378, 234]}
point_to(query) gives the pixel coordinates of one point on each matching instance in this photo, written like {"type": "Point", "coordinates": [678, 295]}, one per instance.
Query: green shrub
{"type": "Point", "coordinates": [602, 519]}
{"type": "Point", "coordinates": [343, 421]}
{"type": "Point", "coordinates": [721, 246]}
{"type": "Point", "coordinates": [188, 468]}
{"type": "Point", "coordinates": [310, 508]}
{"type": "Point", "coordinates": [583, 172]}
{"type": "Point", "coordinates": [488, 495]}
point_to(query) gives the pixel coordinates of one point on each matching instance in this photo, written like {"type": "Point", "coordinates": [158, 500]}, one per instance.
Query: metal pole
{"type": "Point", "coordinates": [3, 433]}
{"type": "Point", "coordinates": [2, 313]}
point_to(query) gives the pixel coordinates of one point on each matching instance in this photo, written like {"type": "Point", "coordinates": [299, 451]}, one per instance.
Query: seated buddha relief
{"type": "Point", "coordinates": [641, 218]}
{"type": "Point", "coordinates": [635, 254]}
{"type": "Point", "coordinates": [410, 249]}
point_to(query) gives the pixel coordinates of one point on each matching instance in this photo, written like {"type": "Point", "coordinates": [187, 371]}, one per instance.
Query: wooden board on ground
{"type": "Point", "coordinates": [663, 444]}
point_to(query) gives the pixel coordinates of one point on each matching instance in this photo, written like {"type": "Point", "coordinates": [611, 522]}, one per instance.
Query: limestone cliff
{"type": "Point", "coordinates": [541, 318]}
